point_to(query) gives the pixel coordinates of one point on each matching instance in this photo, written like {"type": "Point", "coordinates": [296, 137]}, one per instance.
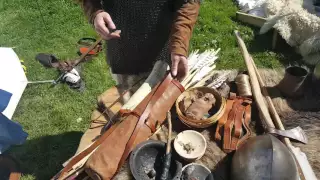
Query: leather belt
{"type": "Point", "coordinates": [222, 121]}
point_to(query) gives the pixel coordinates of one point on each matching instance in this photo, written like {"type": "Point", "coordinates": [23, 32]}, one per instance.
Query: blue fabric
{"type": "Point", "coordinates": [4, 99]}
{"type": "Point", "coordinates": [11, 133]}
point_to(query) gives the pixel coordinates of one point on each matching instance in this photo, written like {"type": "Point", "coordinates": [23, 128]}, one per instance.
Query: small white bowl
{"type": "Point", "coordinates": [192, 140]}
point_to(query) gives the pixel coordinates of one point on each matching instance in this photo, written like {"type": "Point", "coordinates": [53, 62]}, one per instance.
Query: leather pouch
{"type": "Point", "coordinates": [135, 127]}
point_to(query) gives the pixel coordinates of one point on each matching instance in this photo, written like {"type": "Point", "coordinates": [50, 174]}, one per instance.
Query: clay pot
{"type": "Point", "coordinates": [292, 83]}
{"type": "Point", "coordinates": [146, 161]}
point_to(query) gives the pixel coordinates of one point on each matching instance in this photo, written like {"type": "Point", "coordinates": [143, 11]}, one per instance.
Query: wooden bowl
{"type": "Point", "coordinates": [190, 145]}
{"type": "Point", "coordinates": [217, 110]}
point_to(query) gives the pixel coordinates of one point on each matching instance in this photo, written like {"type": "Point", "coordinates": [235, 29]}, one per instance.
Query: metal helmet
{"type": "Point", "coordinates": [264, 157]}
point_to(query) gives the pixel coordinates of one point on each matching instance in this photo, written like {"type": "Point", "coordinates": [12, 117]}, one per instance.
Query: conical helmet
{"type": "Point", "coordinates": [264, 158]}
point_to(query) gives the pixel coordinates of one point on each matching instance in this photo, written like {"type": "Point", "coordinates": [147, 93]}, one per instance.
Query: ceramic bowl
{"type": "Point", "coordinates": [190, 145]}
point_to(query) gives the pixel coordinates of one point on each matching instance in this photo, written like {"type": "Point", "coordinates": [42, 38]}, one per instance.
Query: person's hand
{"type": "Point", "coordinates": [103, 24]}
{"type": "Point", "coordinates": [179, 68]}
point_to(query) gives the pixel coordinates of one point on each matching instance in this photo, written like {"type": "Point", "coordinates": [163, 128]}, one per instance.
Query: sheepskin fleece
{"type": "Point", "coordinates": [302, 112]}
{"type": "Point", "coordinates": [298, 27]}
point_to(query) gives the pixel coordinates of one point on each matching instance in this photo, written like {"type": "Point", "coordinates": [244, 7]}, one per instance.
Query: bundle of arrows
{"type": "Point", "coordinates": [201, 70]}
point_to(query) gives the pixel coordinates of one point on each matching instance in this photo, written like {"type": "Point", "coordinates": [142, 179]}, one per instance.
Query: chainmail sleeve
{"type": "Point", "coordinates": [91, 8]}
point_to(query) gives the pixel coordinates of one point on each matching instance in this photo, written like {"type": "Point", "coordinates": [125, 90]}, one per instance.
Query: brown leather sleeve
{"type": "Point", "coordinates": [91, 8]}
{"type": "Point", "coordinates": [181, 32]}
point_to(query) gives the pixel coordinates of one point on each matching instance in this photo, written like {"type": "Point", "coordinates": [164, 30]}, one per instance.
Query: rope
{"type": "Point", "coordinates": [243, 85]}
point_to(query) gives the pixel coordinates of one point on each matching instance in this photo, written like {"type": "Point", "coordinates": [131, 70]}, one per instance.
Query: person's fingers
{"type": "Point", "coordinates": [174, 68]}
{"type": "Point", "coordinates": [101, 27]}
{"type": "Point", "coordinates": [107, 18]}
{"type": "Point", "coordinates": [104, 25]}
{"type": "Point", "coordinates": [115, 34]}
{"type": "Point", "coordinates": [108, 35]}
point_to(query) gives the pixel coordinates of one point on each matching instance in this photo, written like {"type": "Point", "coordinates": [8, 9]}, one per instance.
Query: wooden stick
{"type": "Point", "coordinates": [264, 112]}
{"type": "Point", "coordinates": [189, 77]}
{"type": "Point", "coordinates": [193, 82]}
{"type": "Point", "coordinates": [272, 109]}
{"type": "Point", "coordinates": [206, 78]}
{"type": "Point", "coordinates": [169, 132]}
{"type": "Point", "coordinates": [82, 57]}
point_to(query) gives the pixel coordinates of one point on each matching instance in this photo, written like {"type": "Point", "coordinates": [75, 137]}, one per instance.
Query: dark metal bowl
{"type": "Point", "coordinates": [147, 157]}
{"type": "Point", "coordinates": [196, 171]}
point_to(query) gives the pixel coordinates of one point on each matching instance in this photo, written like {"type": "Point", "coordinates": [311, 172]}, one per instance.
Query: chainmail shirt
{"type": "Point", "coordinates": [145, 28]}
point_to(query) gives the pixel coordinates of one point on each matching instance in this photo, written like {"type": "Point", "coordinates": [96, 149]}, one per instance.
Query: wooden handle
{"type": "Point", "coordinates": [272, 109]}
{"type": "Point", "coordinates": [262, 107]}
{"type": "Point", "coordinates": [82, 57]}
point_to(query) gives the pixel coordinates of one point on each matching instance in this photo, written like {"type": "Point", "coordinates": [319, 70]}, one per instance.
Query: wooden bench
{"type": "Point", "coordinates": [258, 22]}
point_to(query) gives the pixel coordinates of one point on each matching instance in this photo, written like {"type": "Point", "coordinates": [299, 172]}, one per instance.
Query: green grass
{"type": "Point", "coordinates": [50, 115]}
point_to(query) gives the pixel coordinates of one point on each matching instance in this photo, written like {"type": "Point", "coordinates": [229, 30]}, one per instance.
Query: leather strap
{"type": "Point", "coordinates": [235, 120]}
{"type": "Point", "coordinates": [125, 112]}
{"type": "Point", "coordinates": [246, 122]}
{"type": "Point", "coordinates": [222, 121]}
{"type": "Point", "coordinates": [158, 93]}
{"type": "Point", "coordinates": [237, 126]}
{"type": "Point", "coordinates": [151, 125]}
{"type": "Point", "coordinates": [227, 135]}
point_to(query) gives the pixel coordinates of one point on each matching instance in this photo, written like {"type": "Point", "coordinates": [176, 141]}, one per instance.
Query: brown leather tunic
{"type": "Point", "coordinates": [150, 31]}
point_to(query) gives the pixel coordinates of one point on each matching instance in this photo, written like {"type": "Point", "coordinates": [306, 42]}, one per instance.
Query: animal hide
{"type": "Point", "coordinates": [300, 112]}
{"type": "Point", "coordinates": [199, 106]}
{"type": "Point", "coordinates": [298, 27]}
